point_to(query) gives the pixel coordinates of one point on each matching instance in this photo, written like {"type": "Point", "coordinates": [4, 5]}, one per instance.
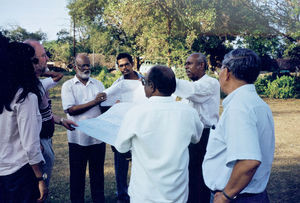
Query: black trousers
{"type": "Point", "coordinates": [20, 186]}
{"type": "Point", "coordinates": [198, 191]}
{"type": "Point", "coordinates": [78, 158]}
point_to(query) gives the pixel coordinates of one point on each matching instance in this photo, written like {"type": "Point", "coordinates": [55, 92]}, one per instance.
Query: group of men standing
{"type": "Point", "coordinates": [170, 142]}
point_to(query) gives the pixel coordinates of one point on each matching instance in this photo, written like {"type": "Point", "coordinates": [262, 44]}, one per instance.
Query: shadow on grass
{"type": "Point", "coordinates": [284, 184]}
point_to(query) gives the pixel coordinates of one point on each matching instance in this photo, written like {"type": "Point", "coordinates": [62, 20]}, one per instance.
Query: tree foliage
{"type": "Point", "coordinates": [20, 34]}
{"type": "Point", "coordinates": [169, 30]}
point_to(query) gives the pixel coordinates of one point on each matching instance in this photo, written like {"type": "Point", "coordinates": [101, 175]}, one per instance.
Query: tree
{"type": "Point", "coordinates": [20, 34]}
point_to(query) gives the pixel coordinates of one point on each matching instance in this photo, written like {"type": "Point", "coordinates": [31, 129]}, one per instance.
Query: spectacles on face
{"type": "Point", "coordinates": [144, 81]}
{"type": "Point", "coordinates": [124, 65]}
{"type": "Point", "coordinates": [83, 65]}
{"type": "Point", "coordinates": [44, 55]}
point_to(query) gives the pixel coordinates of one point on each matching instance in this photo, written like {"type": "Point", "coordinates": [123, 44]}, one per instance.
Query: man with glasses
{"type": "Point", "coordinates": [158, 133]}
{"type": "Point", "coordinates": [203, 94]}
{"type": "Point", "coordinates": [125, 65]}
{"type": "Point", "coordinates": [240, 151]}
{"type": "Point", "coordinates": [39, 62]}
{"type": "Point", "coordinates": [81, 98]}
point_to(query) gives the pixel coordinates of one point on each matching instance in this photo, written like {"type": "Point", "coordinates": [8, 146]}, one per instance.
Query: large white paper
{"type": "Point", "coordinates": [125, 91]}
{"type": "Point", "coordinates": [106, 126]}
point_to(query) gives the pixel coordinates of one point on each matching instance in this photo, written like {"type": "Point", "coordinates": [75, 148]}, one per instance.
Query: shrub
{"type": "Point", "coordinates": [107, 78]}
{"type": "Point", "coordinates": [281, 88]}
{"type": "Point", "coordinates": [261, 84]}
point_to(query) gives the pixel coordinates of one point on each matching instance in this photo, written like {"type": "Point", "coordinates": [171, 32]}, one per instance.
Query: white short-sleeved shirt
{"type": "Point", "coordinates": [203, 95]}
{"type": "Point", "coordinates": [73, 93]}
{"type": "Point", "coordinates": [245, 132]}
{"type": "Point", "coordinates": [20, 140]}
{"type": "Point", "coordinates": [158, 133]}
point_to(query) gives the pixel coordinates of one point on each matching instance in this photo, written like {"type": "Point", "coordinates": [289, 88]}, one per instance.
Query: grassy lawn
{"type": "Point", "coordinates": [284, 185]}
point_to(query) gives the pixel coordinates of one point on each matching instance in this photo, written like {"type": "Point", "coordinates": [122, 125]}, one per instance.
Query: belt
{"type": "Point", "coordinates": [239, 195]}
{"type": "Point", "coordinates": [209, 127]}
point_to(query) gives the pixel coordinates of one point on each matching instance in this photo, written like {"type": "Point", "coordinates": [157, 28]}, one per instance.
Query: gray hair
{"type": "Point", "coordinates": [243, 63]}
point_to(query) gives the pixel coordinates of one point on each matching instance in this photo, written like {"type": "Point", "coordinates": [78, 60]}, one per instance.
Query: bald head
{"type": "Point", "coordinates": [82, 67]}
{"type": "Point", "coordinates": [40, 58]}
{"type": "Point", "coordinates": [82, 59]}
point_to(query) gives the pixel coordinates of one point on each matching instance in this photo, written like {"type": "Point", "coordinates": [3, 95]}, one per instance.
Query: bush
{"type": "Point", "coordinates": [281, 88]}
{"type": "Point", "coordinates": [261, 84]}
{"type": "Point", "coordinates": [107, 78]}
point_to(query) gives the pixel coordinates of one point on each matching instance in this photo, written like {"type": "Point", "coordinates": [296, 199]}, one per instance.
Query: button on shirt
{"type": "Point", "coordinates": [73, 93]}
{"type": "Point", "coordinates": [19, 140]}
{"type": "Point", "coordinates": [158, 133]}
{"type": "Point", "coordinates": [203, 95]}
{"type": "Point", "coordinates": [245, 132]}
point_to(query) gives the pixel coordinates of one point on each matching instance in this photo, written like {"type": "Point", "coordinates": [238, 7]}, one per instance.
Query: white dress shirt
{"type": "Point", "coordinates": [203, 95]}
{"type": "Point", "coordinates": [20, 140]}
{"type": "Point", "coordinates": [158, 133]}
{"type": "Point", "coordinates": [74, 92]}
{"type": "Point", "coordinates": [245, 132]}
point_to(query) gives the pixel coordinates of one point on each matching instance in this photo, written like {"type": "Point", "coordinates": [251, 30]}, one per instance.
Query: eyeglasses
{"type": "Point", "coordinates": [144, 81]}
{"type": "Point", "coordinates": [81, 66]}
{"type": "Point", "coordinates": [44, 55]}
{"type": "Point", "coordinates": [124, 65]}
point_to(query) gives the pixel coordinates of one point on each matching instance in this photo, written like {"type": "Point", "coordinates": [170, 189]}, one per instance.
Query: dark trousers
{"type": "Point", "coordinates": [249, 198]}
{"type": "Point", "coordinates": [198, 191]}
{"type": "Point", "coordinates": [121, 173]}
{"type": "Point", "coordinates": [20, 186]}
{"type": "Point", "coordinates": [78, 158]}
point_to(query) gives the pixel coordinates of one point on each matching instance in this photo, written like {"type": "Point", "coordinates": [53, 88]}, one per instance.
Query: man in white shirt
{"type": "Point", "coordinates": [203, 94]}
{"type": "Point", "coordinates": [121, 161]}
{"type": "Point", "coordinates": [39, 62]}
{"type": "Point", "coordinates": [158, 133]}
{"type": "Point", "coordinates": [81, 98]}
{"type": "Point", "coordinates": [240, 152]}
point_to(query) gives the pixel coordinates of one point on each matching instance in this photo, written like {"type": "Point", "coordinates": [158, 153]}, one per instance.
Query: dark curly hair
{"type": "Point", "coordinates": [16, 71]}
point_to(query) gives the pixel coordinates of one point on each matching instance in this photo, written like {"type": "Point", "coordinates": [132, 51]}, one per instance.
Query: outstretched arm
{"type": "Point", "coordinates": [67, 123]}
{"type": "Point", "coordinates": [56, 76]}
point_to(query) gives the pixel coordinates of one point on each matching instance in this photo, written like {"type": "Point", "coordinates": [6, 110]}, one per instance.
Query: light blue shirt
{"type": "Point", "coordinates": [245, 132]}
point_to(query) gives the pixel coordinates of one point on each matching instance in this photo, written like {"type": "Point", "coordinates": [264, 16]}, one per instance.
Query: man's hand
{"type": "Point", "coordinates": [68, 124]}
{"type": "Point", "coordinates": [100, 98]}
{"type": "Point", "coordinates": [43, 191]}
{"type": "Point", "coordinates": [220, 198]}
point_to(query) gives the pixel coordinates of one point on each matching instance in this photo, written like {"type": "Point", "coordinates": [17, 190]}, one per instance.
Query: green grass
{"type": "Point", "coordinates": [284, 185]}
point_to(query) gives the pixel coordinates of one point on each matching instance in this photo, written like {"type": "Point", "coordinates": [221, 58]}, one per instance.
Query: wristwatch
{"type": "Point", "coordinates": [44, 177]}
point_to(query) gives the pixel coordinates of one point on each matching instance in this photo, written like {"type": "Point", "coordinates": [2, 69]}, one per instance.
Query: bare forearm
{"type": "Point", "coordinates": [37, 170]}
{"type": "Point", "coordinates": [241, 176]}
{"type": "Point", "coordinates": [54, 75]}
{"type": "Point", "coordinates": [79, 109]}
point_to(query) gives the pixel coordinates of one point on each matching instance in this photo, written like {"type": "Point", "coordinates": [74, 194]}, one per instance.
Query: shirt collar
{"type": "Point", "coordinates": [203, 77]}
{"type": "Point", "coordinates": [136, 73]}
{"type": "Point", "coordinates": [247, 87]}
{"type": "Point", "coordinates": [76, 80]}
{"type": "Point", "coordinates": [161, 99]}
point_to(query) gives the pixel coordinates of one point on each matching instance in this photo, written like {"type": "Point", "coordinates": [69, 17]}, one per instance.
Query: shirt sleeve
{"type": "Point", "coordinates": [126, 133]}
{"type": "Point", "coordinates": [67, 97]}
{"type": "Point", "coordinates": [48, 83]}
{"type": "Point", "coordinates": [241, 137]}
{"type": "Point", "coordinates": [198, 91]}
{"type": "Point", "coordinates": [29, 124]}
